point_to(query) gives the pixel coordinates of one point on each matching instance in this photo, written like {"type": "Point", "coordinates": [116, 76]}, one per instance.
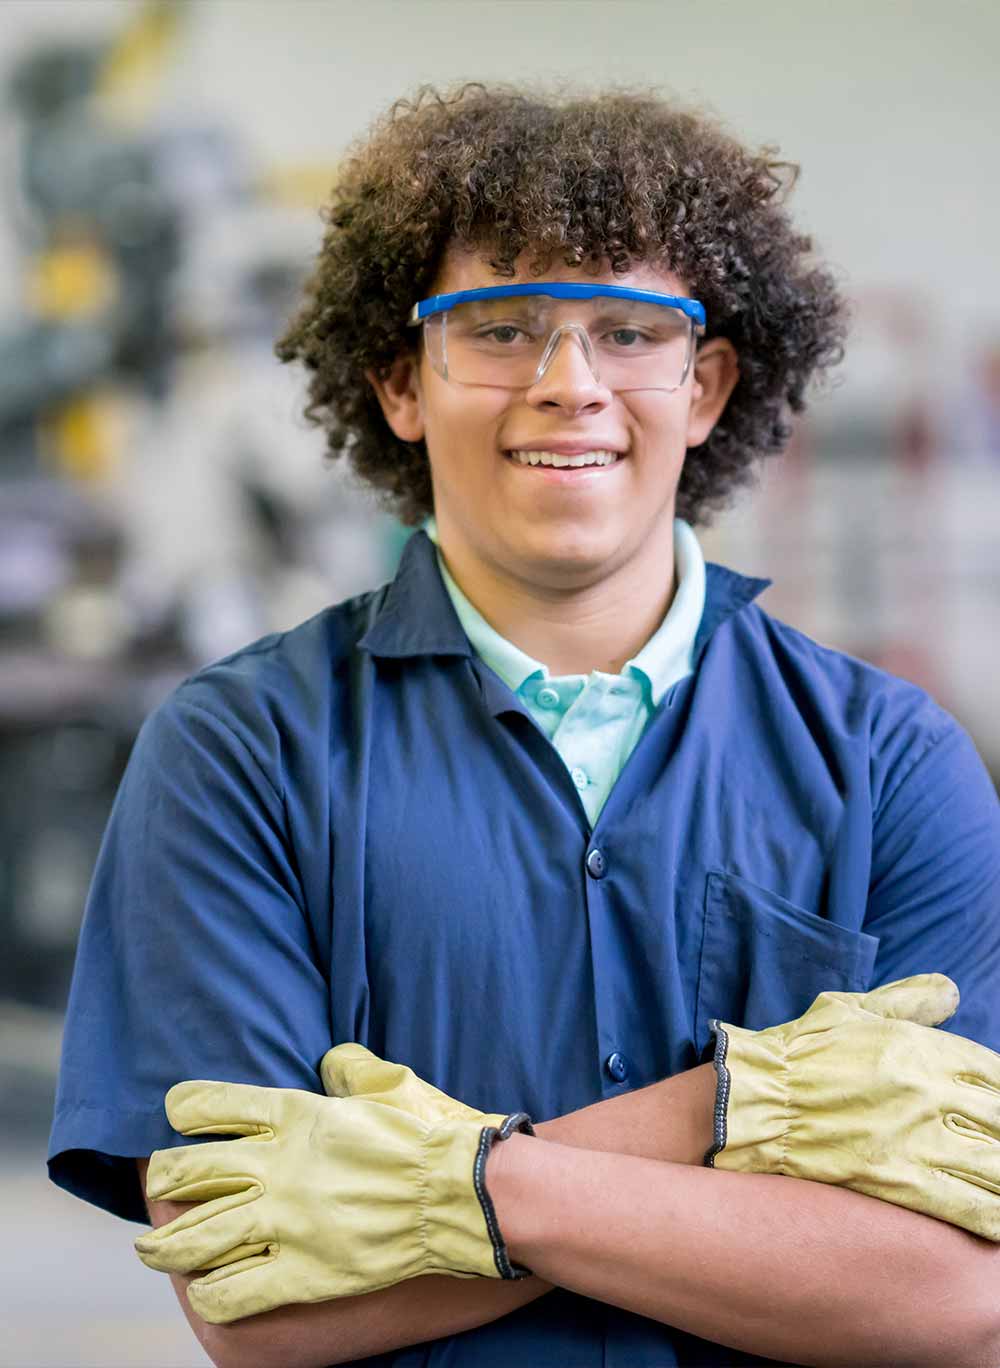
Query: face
{"type": "Point", "coordinates": [554, 529]}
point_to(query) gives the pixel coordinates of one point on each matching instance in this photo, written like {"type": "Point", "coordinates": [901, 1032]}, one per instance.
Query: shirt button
{"type": "Point", "coordinates": [617, 1067]}
{"type": "Point", "coordinates": [579, 777]}
{"type": "Point", "coordinates": [597, 865]}
{"type": "Point", "coordinates": [547, 698]}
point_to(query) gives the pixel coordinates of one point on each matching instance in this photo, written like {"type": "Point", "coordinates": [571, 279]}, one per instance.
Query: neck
{"type": "Point", "coordinates": [573, 631]}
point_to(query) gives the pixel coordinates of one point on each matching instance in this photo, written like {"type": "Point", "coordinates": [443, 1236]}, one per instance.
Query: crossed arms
{"type": "Point", "coordinates": [612, 1202]}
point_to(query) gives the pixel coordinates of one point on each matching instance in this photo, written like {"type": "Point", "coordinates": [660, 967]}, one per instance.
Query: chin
{"type": "Point", "coordinates": [570, 561]}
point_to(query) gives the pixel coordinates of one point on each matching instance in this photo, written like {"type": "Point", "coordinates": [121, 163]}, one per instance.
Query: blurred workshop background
{"type": "Point", "coordinates": [162, 500]}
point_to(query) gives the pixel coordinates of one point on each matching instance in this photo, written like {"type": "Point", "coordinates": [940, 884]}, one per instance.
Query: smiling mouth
{"type": "Point", "coordinates": [585, 460]}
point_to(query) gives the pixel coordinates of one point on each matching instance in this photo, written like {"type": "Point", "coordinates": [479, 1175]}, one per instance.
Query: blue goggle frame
{"type": "Point", "coordinates": [559, 290]}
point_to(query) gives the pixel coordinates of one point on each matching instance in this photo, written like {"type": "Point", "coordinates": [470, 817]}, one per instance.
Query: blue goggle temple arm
{"type": "Point", "coordinates": [558, 290]}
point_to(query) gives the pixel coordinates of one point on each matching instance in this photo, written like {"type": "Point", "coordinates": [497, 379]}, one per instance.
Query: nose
{"type": "Point", "coordinates": [568, 374]}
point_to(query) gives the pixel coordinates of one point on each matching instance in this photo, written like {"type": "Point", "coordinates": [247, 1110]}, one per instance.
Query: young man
{"type": "Point", "coordinates": [507, 907]}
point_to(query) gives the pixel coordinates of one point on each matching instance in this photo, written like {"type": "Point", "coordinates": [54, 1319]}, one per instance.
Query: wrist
{"type": "Point", "coordinates": [508, 1164]}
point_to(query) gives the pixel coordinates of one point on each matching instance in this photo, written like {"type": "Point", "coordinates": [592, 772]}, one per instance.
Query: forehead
{"type": "Point", "coordinates": [462, 269]}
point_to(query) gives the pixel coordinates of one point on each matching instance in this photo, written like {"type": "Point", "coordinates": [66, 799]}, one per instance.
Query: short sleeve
{"type": "Point", "coordinates": [195, 957]}
{"type": "Point", "coordinates": [934, 897]}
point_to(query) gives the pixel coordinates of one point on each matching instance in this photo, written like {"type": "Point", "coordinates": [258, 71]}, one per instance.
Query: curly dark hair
{"type": "Point", "coordinates": [620, 177]}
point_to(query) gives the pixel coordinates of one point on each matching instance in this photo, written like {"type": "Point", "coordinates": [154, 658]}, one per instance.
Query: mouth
{"type": "Point", "coordinates": [564, 463]}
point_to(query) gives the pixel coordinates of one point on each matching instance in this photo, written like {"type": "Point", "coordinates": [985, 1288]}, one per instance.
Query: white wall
{"type": "Point", "coordinates": [892, 108]}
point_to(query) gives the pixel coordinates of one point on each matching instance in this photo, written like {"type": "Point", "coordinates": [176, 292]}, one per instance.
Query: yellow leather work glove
{"type": "Point", "coordinates": [860, 1092]}
{"type": "Point", "coordinates": [351, 1070]}
{"type": "Point", "coordinates": [320, 1197]}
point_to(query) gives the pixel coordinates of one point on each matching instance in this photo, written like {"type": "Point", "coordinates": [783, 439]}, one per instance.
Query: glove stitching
{"type": "Point", "coordinates": [486, 1138]}
{"type": "Point", "coordinates": [489, 1135]}
{"type": "Point", "coordinates": [723, 1087]}
{"type": "Point", "coordinates": [516, 1121]}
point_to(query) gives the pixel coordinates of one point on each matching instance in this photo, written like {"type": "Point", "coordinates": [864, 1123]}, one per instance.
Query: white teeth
{"type": "Point", "coordinates": [552, 458]}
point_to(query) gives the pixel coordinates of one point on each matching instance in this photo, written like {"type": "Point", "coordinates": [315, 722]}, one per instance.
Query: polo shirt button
{"type": "Point", "coordinates": [617, 1067]}
{"type": "Point", "coordinates": [597, 865]}
{"type": "Point", "coordinates": [579, 777]}
{"type": "Point", "coordinates": [548, 698]}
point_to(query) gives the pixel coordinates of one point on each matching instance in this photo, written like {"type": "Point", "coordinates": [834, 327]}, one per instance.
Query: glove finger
{"type": "Point", "coordinates": [981, 1126]}
{"type": "Point", "coordinates": [201, 1106]}
{"type": "Point", "coordinates": [976, 1206]}
{"type": "Point", "coordinates": [984, 1177]}
{"type": "Point", "coordinates": [195, 1173]}
{"type": "Point", "coordinates": [200, 1237]}
{"type": "Point", "coordinates": [927, 999]}
{"type": "Point", "coordinates": [239, 1254]}
{"type": "Point", "coordinates": [238, 1290]}
{"type": "Point", "coordinates": [986, 1081]}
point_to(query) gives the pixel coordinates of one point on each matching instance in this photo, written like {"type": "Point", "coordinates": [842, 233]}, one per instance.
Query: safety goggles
{"type": "Point", "coordinates": [506, 335]}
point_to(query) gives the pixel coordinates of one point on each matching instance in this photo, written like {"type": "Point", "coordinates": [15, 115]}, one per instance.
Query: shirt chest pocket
{"type": "Point", "coordinates": [764, 960]}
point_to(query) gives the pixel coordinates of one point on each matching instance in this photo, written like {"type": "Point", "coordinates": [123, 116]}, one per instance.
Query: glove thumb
{"type": "Point", "coordinates": [351, 1070]}
{"type": "Point", "coordinates": [927, 999]}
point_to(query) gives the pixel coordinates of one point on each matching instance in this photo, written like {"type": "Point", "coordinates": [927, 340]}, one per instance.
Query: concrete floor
{"type": "Point", "coordinates": [74, 1294]}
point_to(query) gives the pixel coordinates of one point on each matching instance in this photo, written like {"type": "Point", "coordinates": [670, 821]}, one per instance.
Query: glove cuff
{"type": "Point", "coordinates": [752, 1113]}
{"type": "Point", "coordinates": [516, 1121]}
{"type": "Point", "coordinates": [723, 1088]}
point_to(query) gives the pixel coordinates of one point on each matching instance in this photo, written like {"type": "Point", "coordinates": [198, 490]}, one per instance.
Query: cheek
{"type": "Point", "coordinates": [458, 418]}
{"type": "Point", "coordinates": [659, 422]}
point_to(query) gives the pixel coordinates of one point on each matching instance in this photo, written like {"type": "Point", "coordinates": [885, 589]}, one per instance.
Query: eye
{"type": "Point", "coordinates": [627, 337]}
{"type": "Point", "coordinates": [503, 333]}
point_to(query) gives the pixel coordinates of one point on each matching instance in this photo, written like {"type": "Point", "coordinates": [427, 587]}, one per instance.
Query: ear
{"type": "Point", "coordinates": [716, 371]}
{"type": "Point", "coordinates": [400, 398]}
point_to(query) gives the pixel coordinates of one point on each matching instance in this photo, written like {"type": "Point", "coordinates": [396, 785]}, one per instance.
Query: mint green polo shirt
{"type": "Point", "coordinates": [594, 721]}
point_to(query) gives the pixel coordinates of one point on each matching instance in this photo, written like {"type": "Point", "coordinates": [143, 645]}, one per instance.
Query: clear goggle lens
{"type": "Point", "coordinates": [510, 342]}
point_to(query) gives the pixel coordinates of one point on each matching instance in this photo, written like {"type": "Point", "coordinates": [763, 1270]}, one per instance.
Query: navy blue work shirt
{"type": "Point", "coordinates": [355, 831]}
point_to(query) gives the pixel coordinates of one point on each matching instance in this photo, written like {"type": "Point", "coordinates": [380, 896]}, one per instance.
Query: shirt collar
{"type": "Point", "coordinates": [414, 615]}
{"type": "Point", "coordinates": [512, 664]}
{"type": "Point", "coordinates": [664, 659]}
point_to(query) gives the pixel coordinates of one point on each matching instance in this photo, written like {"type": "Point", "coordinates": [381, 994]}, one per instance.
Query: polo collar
{"type": "Point", "coordinates": [727, 593]}
{"type": "Point", "coordinates": [416, 616]}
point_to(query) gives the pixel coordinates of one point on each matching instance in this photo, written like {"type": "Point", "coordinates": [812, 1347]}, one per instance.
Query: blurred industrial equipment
{"type": "Point", "coordinates": [162, 502]}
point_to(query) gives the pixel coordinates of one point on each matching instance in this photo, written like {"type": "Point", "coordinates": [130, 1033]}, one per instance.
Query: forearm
{"type": "Point", "coordinates": [669, 1120]}
{"type": "Point", "coordinates": [666, 1120]}
{"type": "Point", "coordinates": [800, 1272]}
{"type": "Point", "coordinates": [329, 1332]}
{"type": "Point", "coordinates": [323, 1333]}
